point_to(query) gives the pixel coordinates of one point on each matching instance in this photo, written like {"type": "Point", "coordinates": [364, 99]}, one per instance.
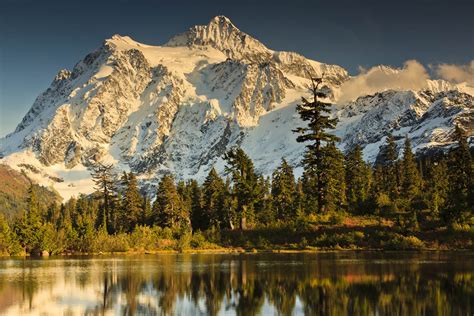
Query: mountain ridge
{"type": "Point", "coordinates": [178, 107]}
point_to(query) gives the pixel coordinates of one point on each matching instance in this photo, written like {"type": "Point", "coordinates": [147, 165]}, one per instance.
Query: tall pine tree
{"type": "Point", "coordinates": [213, 208]}
{"type": "Point", "coordinates": [460, 204]}
{"type": "Point", "coordinates": [244, 182]}
{"type": "Point", "coordinates": [357, 180]}
{"type": "Point", "coordinates": [104, 179]}
{"type": "Point", "coordinates": [411, 180]}
{"type": "Point", "coordinates": [198, 219]}
{"type": "Point", "coordinates": [316, 112]}
{"type": "Point", "coordinates": [284, 192]}
{"type": "Point", "coordinates": [168, 209]}
{"type": "Point", "coordinates": [390, 168]}
{"type": "Point", "coordinates": [132, 204]}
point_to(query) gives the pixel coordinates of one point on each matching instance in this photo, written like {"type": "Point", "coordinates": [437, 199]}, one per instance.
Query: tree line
{"type": "Point", "coordinates": [415, 194]}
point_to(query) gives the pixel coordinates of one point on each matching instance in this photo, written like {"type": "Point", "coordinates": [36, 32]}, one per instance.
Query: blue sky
{"type": "Point", "coordinates": [38, 38]}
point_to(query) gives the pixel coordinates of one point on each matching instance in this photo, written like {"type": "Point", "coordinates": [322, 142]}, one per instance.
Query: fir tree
{"type": "Point", "coordinates": [199, 220]}
{"type": "Point", "coordinates": [436, 186]}
{"type": "Point", "coordinates": [212, 206]}
{"type": "Point", "coordinates": [9, 244]}
{"type": "Point", "coordinates": [299, 198]}
{"type": "Point", "coordinates": [168, 209]}
{"type": "Point", "coordinates": [245, 181]}
{"type": "Point", "coordinates": [264, 205]}
{"type": "Point", "coordinates": [460, 202]}
{"type": "Point", "coordinates": [132, 203]}
{"type": "Point", "coordinates": [146, 217]}
{"type": "Point", "coordinates": [29, 227]}
{"type": "Point", "coordinates": [53, 214]}
{"type": "Point", "coordinates": [284, 192]}
{"type": "Point", "coordinates": [411, 180]}
{"type": "Point", "coordinates": [315, 113]}
{"type": "Point", "coordinates": [184, 194]}
{"type": "Point", "coordinates": [229, 206]}
{"type": "Point", "coordinates": [334, 185]}
{"type": "Point", "coordinates": [390, 168]}
{"type": "Point", "coordinates": [104, 179]}
{"type": "Point", "coordinates": [357, 179]}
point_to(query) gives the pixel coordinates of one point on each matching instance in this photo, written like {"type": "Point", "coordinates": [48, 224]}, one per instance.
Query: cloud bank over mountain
{"type": "Point", "coordinates": [412, 76]}
{"type": "Point", "coordinates": [457, 73]}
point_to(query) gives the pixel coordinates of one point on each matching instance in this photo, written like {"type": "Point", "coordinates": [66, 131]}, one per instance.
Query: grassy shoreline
{"type": "Point", "coordinates": [317, 240]}
{"type": "Point", "coordinates": [353, 233]}
{"type": "Point", "coordinates": [206, 251]}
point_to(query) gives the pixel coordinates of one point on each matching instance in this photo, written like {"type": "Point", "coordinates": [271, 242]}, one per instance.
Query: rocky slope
{"type": "Point", "coordinates": [178, 107]}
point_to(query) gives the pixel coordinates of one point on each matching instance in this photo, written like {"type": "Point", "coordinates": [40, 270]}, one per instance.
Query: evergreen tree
{"type": "Point", "coordinates": [184, 194]}
{"type": "Point", "coordinates": [212, 204]}
{"type": "Point", "coordinates": [229, 206]}
{"type": "Point", "coordinates": [199, 220]}
{"type": "Point", "coordinates": [299, 199]}
{"type": "Point", "coordinates": [9, 244]}
{"type": "Point", "coordinates": [357, 180]}
{"type": "Point", "coordinates": [245, 181]}
{"type": "Point", "coordinates": [390, 168]}
{"type": "Point", "coordinates": [146, 217]}
{"type": "Point", "coordinates": [123, 183]}
{"type": "Point", "coordinates": [104, 179]}
{"type": "Point", "coordinates": [460, 204]}
{"type": "Point", "coordinates": [29, 227]}
{"type": "Point", "coordinates": [168, 209]}
{"type": "Point", "coordinates": [284, 192]}
{"type": "Point", "coordinates": [334, 185]}
{"type": "Point", "coordinates": [265, 214]}
{"type": "Point", "coordinates": [53, 214]}
{"type": "Point", "coordinates": [315, 113]}
{"type": "Point", "coordinates": [436, 186]}
{"type": "Point", "coordinates": [309, 186]}
{"type": "Point", "coordinates": [262, 205]}
{"type": "Point", "coordinates": [132, 203]}
{"type": "Point", "coordinates": [411, 180]}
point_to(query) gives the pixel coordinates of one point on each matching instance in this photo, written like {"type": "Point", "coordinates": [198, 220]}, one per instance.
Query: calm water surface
{"type": "Point", "coordinates": [354, 283]}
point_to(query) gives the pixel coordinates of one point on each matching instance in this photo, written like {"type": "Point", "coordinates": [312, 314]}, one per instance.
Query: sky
{"type": "Point", "coordinates": [38, 38]}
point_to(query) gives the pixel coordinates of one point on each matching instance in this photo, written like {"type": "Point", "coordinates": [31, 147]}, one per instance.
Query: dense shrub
{"type": "Point", "coordinates": [400, 242]}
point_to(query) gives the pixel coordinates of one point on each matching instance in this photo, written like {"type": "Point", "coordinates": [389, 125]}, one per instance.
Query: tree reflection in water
{"type": "Point", "coordinates": [243, 284]}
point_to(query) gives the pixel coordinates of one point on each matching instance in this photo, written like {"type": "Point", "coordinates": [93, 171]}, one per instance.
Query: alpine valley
{"type": "Point", "coordinates": [178, 107]}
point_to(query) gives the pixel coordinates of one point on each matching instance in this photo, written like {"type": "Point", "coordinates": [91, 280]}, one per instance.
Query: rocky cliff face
{"type": "Point", "coordinates": [426, 117]}
{"type": "Point", "coordinates": [179, 107]}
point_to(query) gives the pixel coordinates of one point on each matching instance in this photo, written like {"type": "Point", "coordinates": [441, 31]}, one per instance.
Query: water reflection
{"type": "Point", "coordinates": [241, 284]}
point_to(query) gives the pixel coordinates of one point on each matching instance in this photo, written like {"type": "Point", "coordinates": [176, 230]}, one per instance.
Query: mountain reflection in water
{"type": "Point", "coordinates": [361, 283]}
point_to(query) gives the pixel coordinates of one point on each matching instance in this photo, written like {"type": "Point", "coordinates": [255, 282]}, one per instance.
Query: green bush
{"type": "Point", "coordinates": [111, 243]}
{"type": "Point", "coordinates": [344, 240]}
{"type": "Point", "coordinates": [336, 218]}
{"type": "Point", "coordinates": [263, 243]}
{"type": "Point", "coordinates": [198, 240]}
{"type": "Point", "coordinates": [400, 242]}
{"type": "Point", "coordinates": [164, 233]}
{"type": "Point", "coordinates": [303, 244]}
{"type": "Point", "coordinates": [184, 242]}
{"type": "Point", "coordinates": [143, 238]}
{"type": "Point", "coordinates": [213, 235]}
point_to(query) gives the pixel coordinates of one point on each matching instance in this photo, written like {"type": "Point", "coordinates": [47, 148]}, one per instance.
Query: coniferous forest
{"type": "Point", "coordinates": [340, 202]}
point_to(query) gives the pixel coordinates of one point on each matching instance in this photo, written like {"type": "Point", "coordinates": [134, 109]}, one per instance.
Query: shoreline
{"type": "Point", "coordinates": [219, 251]}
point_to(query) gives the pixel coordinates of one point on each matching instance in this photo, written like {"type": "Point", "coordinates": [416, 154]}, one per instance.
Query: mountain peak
{"type": "Point", "coordinates": [118, 40]}
{"type": "Point", "coordinates": [221, 34]}
{"type": "Point", "coordinates": [221, 19]}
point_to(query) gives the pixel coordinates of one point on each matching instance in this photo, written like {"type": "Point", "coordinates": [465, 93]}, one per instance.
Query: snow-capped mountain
{"type": "Point", "coordinates": [180, 106]}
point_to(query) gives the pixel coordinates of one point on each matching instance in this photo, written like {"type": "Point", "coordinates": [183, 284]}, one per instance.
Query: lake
{"type": "Point", "coordinates": [334, 283]}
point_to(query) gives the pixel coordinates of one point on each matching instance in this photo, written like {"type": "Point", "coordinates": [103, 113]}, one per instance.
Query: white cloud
{"type": "Point", "coordinates": [412, 76]}
{"type": "Point", "coordinates": [456, 73]}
